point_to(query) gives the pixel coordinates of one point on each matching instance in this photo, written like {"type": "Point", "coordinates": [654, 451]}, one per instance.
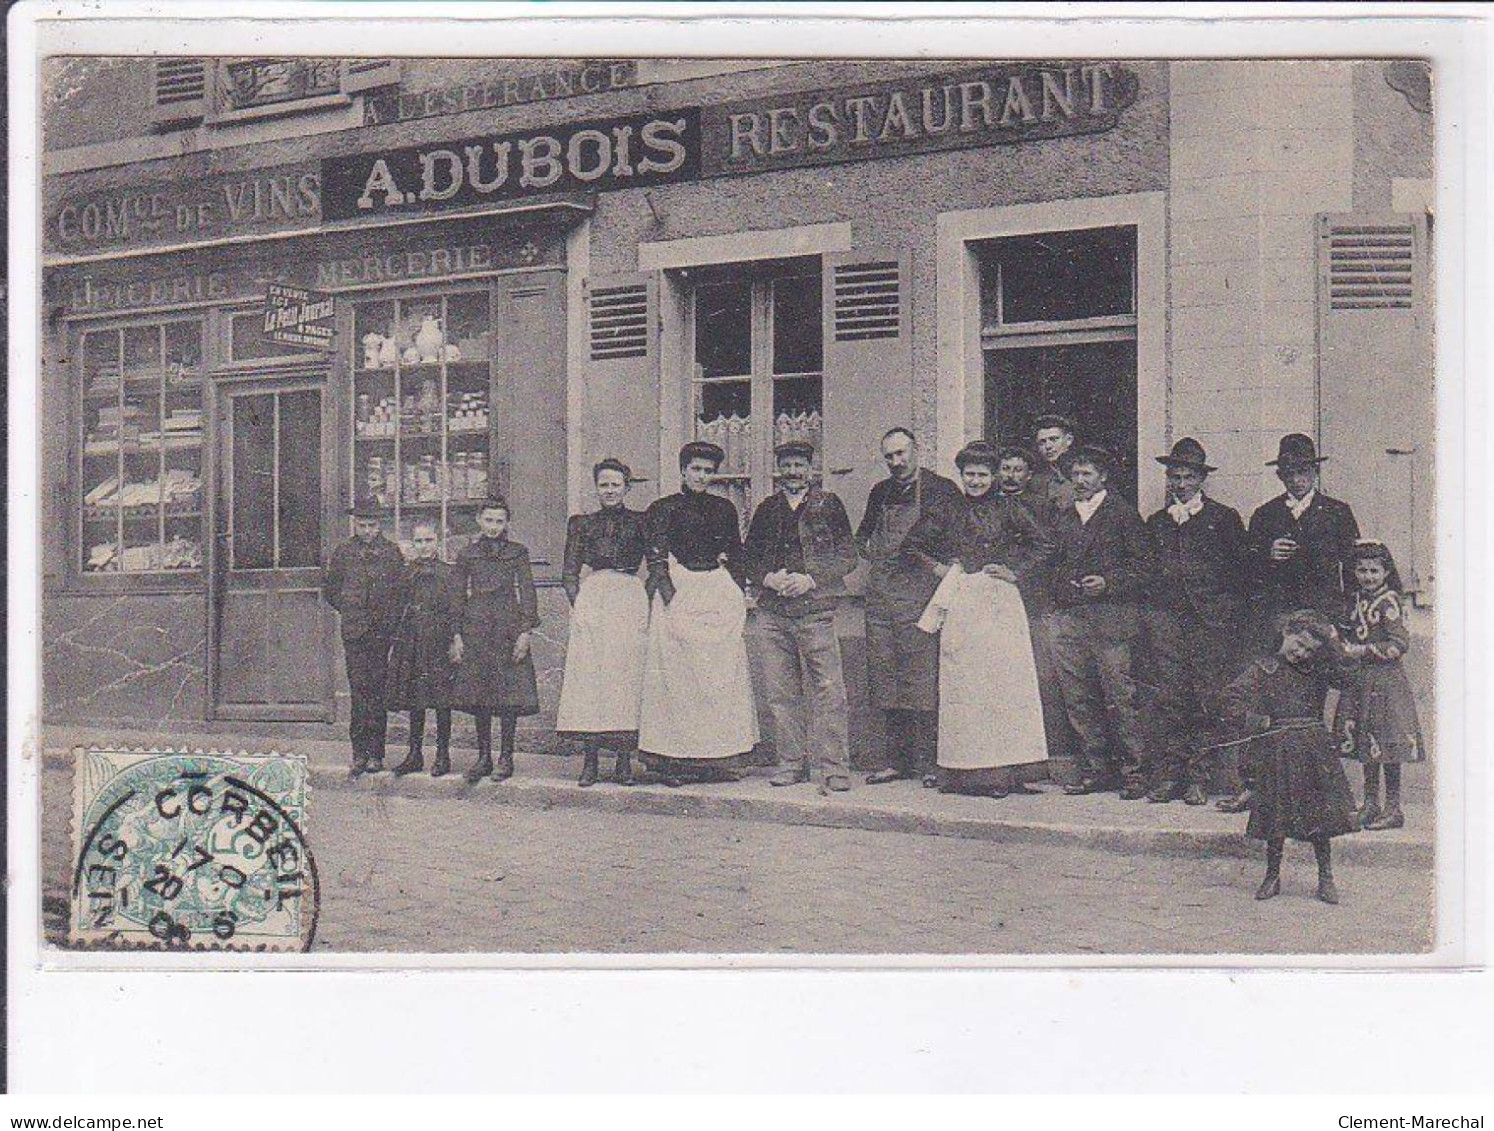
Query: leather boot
{"type": "Point", "coordinates": [480, 769]}
{"type": "Point", "coordinates": [1271, 885]}
{"type": "Point", "coordinates": [412, 764]}
{"type": "Point", "coordinates": [1323, 849]}
{"type": "Point", "coordinates": [442, 765]}
{"type": "Point", "coordinates": [588, 770]}
{"type": "Point", "coordinates": [623, 774]}
{"type": "Point", "coordinates": [505, 769]}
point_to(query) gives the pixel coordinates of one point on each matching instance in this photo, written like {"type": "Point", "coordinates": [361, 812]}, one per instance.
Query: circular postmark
{"type": "Point", "coordinates": [192, 850]}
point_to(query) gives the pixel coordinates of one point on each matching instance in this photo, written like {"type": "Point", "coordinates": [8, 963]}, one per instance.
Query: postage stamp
{"type": "Point", "coordinates": [190, 849]}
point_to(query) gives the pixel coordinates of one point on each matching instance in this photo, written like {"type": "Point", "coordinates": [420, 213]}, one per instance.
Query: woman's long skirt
{"type": "Point", "coordinates": [697, 700]}
{"type": "Point", "coordinates": [990, 712]}
{"type": "Point", "coordinates": [604, 659]}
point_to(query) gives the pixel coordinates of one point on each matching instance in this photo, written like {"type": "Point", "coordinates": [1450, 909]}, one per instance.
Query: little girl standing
{"type": "Point", "coordinates": [1301, 791]}
{"type": "Point", "coordinates": [1377, 721]}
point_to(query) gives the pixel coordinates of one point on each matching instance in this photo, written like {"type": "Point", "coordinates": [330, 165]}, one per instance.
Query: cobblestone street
{"type": "Point", "coordinates": [401, 874]}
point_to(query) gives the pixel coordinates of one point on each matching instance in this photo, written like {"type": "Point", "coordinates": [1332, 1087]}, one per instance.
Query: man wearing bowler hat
{"type": "Point", "coordinates": [1098, 578]}
{"type": "Point", "coordinates": [799, 550]}
{"type": "Point", "coordinates": [1193, 616]}
{"type": "Point", "coordinates": [1301, 541]}
{"type": "Point", "coordinates": [1299, 546]}
{"type": "Point", "coordinates": [363, 583]}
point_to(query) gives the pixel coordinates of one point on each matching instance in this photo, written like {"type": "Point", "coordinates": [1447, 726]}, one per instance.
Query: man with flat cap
{"type": "Point", "coordinates": [1300, 547]}
{"type": "Point", "coordinates": [363, 583]}
{"type": "Point", "coordinates": [1099, 575]}
{"type": "Point", "coordinates": [799, 550]}
{"type": "Point", "coordinates": [902, 662]}
{"type": "Point", "coordinates": [697, 719]}
{"type": "Point", "coordinates": [1193, 616]}
{"type": "Point", "coordinates": [1054, 438]}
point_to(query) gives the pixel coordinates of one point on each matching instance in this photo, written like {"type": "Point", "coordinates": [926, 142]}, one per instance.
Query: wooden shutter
{"type": "Point", "coordinates": [868, 367]}
{"type": "Point", "coordinates": [365, 74]}
{"type": "Point", "coordinates": [1375, 380]}
{"type": "Point", "coordinates": [622, 376]}
{"type": "Point", "coordinates": [180, 91]}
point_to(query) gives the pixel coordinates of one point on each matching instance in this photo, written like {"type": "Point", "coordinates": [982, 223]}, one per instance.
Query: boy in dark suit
{"type": "Point", "coordinates": [1098, 576]}
{"type": "Point", "coordinates": [363, 583]}
{"type": "Point", "coordinates": [1193, 616]}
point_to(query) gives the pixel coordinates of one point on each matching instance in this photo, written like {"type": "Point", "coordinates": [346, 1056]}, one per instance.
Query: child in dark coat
{"type": "Point", "coordinates": [1377, 721]}
{"type": "Point", "coordinates": [499, 609]}
{"type": "Point", "coordinates": [419, 658]}
{"type": "Point", "coordinates": [1301, 791]}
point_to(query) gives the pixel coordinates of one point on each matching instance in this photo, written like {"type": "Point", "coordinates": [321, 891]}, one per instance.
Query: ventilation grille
{"type": "Point", "coordinates": [180, 80]}
{"type": "Point", "coordinates": [1370, 267]}
{"type": "Point", "coordinates": [617, 322]}
{"type": "Point", "coordinates": [868, 301]}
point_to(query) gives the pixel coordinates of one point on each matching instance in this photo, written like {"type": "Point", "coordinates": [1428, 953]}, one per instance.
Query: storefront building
{"type": "Point", "coordinates": [498, 273]}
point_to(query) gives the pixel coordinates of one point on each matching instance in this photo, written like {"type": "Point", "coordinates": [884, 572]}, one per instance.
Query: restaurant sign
{"type": "Point", "coordinates": [632, 152]}
{"type": "Point", "coordinates": [295, 316]}
{"type": "Point", "coordinates": [990, 105]}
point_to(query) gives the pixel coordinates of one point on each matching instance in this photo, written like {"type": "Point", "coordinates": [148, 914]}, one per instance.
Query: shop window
{"type": "Point", "coordinates": [1058, 328]}
{"type": "Point", "coordinates": [140, 449]}
{"type": "Point", "coordinates": [758, 352]}
{"type": "Point", "coordinates": [423, 426]}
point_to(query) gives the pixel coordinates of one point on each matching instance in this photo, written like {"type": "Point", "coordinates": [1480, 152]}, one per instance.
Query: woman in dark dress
{"type": "Point", "coordinates": [609, 602]}
{"type": "Point", "coordinates": [1301, 791]}
{"type": "Point", "coordinates": [420, 656]}
{"type": "Point", "coordinates": [499, 608]}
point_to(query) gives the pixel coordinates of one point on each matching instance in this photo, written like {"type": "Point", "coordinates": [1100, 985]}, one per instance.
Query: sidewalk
{"type": "Point", "coordinates": [544, 782]}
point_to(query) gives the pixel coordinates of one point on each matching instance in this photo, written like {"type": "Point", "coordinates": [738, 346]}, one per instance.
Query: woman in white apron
{"type": "Point", "coordinates": [983, 548]}
{"type": "Point", "coordinates": [698, 719]}
{"type": "Point", "coordinates": [609, 618]}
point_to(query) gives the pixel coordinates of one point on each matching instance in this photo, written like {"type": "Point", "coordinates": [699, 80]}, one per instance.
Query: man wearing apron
{"type": "Point", "coordinates": [902, 661]}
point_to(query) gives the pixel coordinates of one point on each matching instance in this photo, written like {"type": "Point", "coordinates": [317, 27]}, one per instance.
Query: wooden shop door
{"type": "Point", "coordinates": [268, 625]}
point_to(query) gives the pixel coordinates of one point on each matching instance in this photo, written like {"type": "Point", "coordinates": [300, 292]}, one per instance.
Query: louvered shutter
{"type": "Point", "coordinates": [180, 91]}
{"type": "Point", "coordinates": [868, 368]}
{"type": "Point", "coordinates": [365, 74]}
{"type": "Point", "coordinates": [1375, 380]}
{"type": "Point", "coordinates": [622, 376]}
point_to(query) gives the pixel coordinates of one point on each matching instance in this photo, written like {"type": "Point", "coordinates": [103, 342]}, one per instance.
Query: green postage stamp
{"type": "Point", "coordinates": [191, 850]}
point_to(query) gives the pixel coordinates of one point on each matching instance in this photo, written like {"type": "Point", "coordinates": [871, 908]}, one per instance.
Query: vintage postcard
{"type": "Point", "coordinates": [785, 508]}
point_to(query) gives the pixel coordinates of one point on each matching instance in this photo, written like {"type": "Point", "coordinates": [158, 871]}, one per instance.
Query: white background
{"type": "Point", "coordinates": [1028, 1029]}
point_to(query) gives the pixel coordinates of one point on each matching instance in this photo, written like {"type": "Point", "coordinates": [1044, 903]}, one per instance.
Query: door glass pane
{"type": "Point", "coordinates": [300, 501]}
{"type": "Point", "coordinates": [723, 329]}
{"type": "Point", "coordinates": [1059, 276]}
{"type": "Point", "coordinates": [1095, 385]}
{"type": "Point", "coordinates": [254, 481]}
{"type": "Point", "coordinates": [797, 327]}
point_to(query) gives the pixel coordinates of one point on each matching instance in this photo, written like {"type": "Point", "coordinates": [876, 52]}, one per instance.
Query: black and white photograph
{"type": "Point", "coordinates": [806, 548]}
{"type": "Point", "coordinates": [824, 506]}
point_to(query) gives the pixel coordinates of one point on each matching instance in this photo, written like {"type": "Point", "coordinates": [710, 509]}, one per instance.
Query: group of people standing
{"type": "Point", "coordinates": [1026, 613]}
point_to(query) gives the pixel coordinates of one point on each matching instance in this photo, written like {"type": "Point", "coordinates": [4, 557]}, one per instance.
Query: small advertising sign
{"type": "Point", "coordinates": [295, 316]}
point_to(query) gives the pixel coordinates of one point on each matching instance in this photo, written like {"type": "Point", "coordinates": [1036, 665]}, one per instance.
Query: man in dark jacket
{"type": "Point", "coordinates": [1299, 547]}
{"type": "Point", "coordinates": [1300, 542]}
{"type": "Point", "coordinates": [363, 583]}
{"type": "Point", "coordinates": [1054, 439]}
{"type": "Point", "coordinates": [902, 662]}
{"type": "Point", "coordinates": [1193, 617]}
{"type": "Point", "coordinates": [1099, 574]}
{"type": "Point", "coordinates": [1016, 479]}
{"type": "Point", "coordinates": [798, 552]}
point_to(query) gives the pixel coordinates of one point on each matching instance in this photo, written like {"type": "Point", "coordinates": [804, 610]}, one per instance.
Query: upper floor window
{"type": "Point", "coordinates": [228, 90]}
